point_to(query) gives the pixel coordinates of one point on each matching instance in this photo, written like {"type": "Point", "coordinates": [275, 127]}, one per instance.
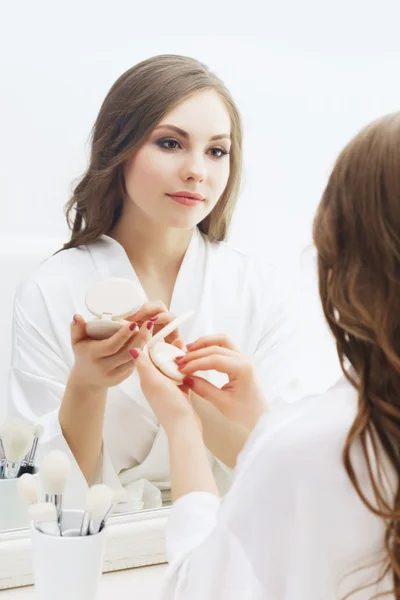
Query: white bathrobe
{"type": "Point", "coordinates": [292, 526]}
{"type": "Point", "coordinates": [229, 293]}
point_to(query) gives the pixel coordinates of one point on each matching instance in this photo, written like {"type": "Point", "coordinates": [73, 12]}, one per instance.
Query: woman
{"type": "Point", "coordinates": [154, 206]}
{"type": "Point", "coordinates": [313, 511]}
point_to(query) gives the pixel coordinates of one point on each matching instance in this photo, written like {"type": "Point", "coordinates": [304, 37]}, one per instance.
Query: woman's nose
{"type": "Point", "coordinates": [194, 169]}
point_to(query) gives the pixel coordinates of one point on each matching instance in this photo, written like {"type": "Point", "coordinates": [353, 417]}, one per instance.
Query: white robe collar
{"type": "Point", "coordinates": [112, 261]}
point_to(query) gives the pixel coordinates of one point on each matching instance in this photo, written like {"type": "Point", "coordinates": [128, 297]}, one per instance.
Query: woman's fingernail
{"type": "Point", "coordinates": [181, 366]}
{"type": "Point", "coordinates": [132, 326]}
{"type": "Point", "coordinates": [189, 345]}
{"type": "Point", "coordinates": [179, 358]}
{"type": "Point", "coordinates": [150, 325]}
{"type": "Point", "coordinates": [134, 353]}
{"type": "Point", "coordinates": [189, 382]}
{"type": "Point", "coordinates": [75, 320]}
{"type": "Point", "coordinates": [153, 319]}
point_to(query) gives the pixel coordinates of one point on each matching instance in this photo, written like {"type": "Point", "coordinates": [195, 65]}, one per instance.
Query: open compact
{"type": "Point", "coordinates": [114, 299]}
{"type": "Point", "coordinates": [110, 301]}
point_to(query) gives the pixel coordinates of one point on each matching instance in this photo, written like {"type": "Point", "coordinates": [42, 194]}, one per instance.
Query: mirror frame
{"type": "Point", "coordinates": [133, 540]}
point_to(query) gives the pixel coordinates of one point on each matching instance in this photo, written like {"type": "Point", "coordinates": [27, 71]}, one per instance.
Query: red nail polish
{"type": "Point", "coordinates": [75, 320]}
{"type": "Point", "coordinates": [132, 326]}
{"type": "Point", "coordinates": [134, 353]}
{"type": "Point", "coordinates": [153, 319]}
{"type": "Point", "coordinates": [181, 366]}
{"type": "Point", "coordinates": [189, 382]}
{"type": "Point", "coordinates": [150, 325]}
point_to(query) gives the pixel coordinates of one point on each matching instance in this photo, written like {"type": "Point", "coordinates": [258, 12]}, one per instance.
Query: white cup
{"type": "Point", "coordinates": [70, 567]}
{"type": "Point", "coordinates": [13, 510]}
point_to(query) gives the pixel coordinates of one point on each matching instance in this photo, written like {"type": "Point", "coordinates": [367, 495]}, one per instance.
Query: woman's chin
{"type": "Point", "coordinates": [184, 222]}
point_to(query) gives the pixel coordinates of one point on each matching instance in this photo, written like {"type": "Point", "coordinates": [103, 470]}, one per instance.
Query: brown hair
{"type": "Point", "coordinates": [133, 107]}
{"type": "Point", "coordinates": [357, 236]}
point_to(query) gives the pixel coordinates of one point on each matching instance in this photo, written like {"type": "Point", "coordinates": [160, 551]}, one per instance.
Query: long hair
{"type": "Point", "coordinates": [357, 236]}
{"type": "Point", "coordinates": [133, 107]}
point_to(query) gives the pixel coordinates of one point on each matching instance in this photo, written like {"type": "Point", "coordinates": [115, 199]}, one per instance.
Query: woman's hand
{"type": "Point", "coordinates": [169, 401]}
{"type": "Point", "coordinates": [241, 399]}
{"type": "Point", "coordinates": [157, 313]}
{"type": "Point", "coordinates": [100, 364]}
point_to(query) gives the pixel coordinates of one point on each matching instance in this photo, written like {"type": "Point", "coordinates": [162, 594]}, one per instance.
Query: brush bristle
{"type": "Point", "coordinates": [120, 496]}
{"type": "Point", "coordinates": [44, 512]}
{"type": "Point", "coordinates": [54, 471]}
{"type": "Point", "coordinates": [17, 436]}
{"type": "Point", "coordinates": [27, 488]}
{"type": "Point", "coordinates": [38, 430]}
{"type": "Point", "coordinates": [98, 500]}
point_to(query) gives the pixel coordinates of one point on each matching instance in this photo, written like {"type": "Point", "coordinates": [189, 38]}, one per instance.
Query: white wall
{"type": "Point", "coordinates": [305, 75]}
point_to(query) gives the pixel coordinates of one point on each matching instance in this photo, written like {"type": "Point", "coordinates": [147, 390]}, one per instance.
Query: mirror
{"type": "Point", "coordinates": [298, 109]}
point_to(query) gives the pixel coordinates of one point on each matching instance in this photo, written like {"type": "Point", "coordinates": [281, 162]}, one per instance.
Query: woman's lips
{"type": "Point", "coordinates": [185, 200]}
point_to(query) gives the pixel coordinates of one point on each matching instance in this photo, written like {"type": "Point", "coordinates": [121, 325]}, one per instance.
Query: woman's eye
{"type": "Point", "coordinates": [168, 144]}
{"type": "Point", "coordinates": [171, 144]}
{"type": "Point", "coordinates": [218, 152]}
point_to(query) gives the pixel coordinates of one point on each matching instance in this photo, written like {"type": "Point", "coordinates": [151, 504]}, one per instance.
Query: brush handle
{"type": "Point", "coordinates": [56, 499]}
{"type": "Point", "coordinates": [2, 459]}
{"type": "Point", "coordinates": [23, 465]}
{"type": "Point", "coordinates": [85, 524]}
{"type": "Point", "coordinates": [104, 519]}
{"type": "Point", "coordinates": [28, 464]}
{"type": "Point", "coordinates": [2, 452]}
{"type": "Point", "coordinates": [11, 469]}
{"type": "Point", "coordinates": [32, 453]}
{"type": "Point", "coordinates": [27, 469]}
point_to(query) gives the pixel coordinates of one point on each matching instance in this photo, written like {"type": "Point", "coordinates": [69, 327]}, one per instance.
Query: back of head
{"type": "Point", "coordinates": [357, 236]}
{"type": "Point", "coordinates": [133, 107]}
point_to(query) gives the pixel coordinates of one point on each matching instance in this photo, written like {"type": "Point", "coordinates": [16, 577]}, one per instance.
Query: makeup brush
{"type": "Point", "coordinates": [98, 500]}
{"type": "Point", "coordinates": [118, 497]}
{"type": "Point", "coordinates": [54, 472]}
{"type": "Point", "coordinates": [27, 489]}
{"type": "Point", "coordinates": [28, 466]}
{"type": "Point", "coordinates": [17, 436]}
{"type": "Point", "coordinates": [2, 459]}
{"type": "Point", "coordinates": [44, 515]}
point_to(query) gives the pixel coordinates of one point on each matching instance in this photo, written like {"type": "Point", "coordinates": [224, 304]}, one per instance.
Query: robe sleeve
{"type": "Point", "coordinates": [214, 546]}
{"type": "Point", "coordinates": [37, 379]}
{"type": "Point", "coordinates": [291, 528]}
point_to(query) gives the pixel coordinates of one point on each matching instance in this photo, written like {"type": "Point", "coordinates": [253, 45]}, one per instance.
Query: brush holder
{"type": "Point", "coordinates": [13, 509]}
{"type": "Point", "coordinates": [68, 567]}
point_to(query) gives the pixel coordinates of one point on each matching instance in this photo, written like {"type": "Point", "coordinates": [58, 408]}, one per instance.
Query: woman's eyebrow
{"type": "Point", "coordinates": [185, 134]}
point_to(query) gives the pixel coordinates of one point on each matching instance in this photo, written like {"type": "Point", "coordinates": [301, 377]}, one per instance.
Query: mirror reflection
{"type": "Point", "coordinates": [145, 267]}
{"type": "Point", "coordinates": [153, 205]}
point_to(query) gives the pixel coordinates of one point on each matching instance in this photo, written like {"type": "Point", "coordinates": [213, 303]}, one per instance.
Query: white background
{"type": "Point", "coordinates": [305, 75]}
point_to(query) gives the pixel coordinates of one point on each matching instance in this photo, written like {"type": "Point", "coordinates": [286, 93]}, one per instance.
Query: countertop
{"type": "Point", "coordinates": [141, 583]}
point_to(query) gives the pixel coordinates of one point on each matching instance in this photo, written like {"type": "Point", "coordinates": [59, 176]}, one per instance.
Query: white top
{"type": "Point", "coordinates": [291, 525]}
{"type": "Point", "coordinates": [229, 294]}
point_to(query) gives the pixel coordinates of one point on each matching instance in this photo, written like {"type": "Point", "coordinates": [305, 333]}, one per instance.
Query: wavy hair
{"type": "Point", "coordinates": [357, 235]}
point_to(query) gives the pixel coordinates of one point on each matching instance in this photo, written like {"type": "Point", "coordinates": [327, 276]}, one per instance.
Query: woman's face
{"type": "Point", "coordinates": [187, 153]}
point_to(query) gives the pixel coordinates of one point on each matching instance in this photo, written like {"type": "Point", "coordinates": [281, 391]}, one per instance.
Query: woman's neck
{"type": "Point", "coordinates": [155, 252]}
